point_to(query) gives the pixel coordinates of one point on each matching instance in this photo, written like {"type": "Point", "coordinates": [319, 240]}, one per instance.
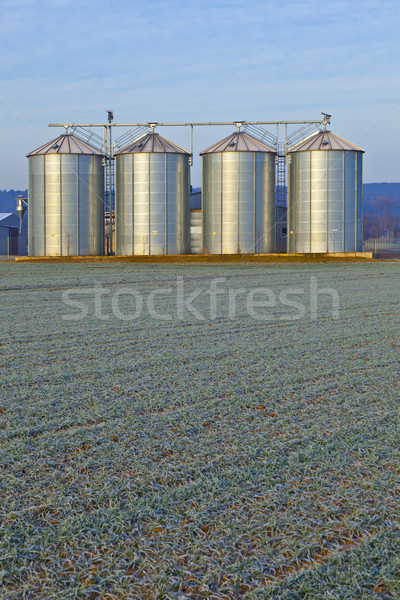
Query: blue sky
{"type": "Point", "coordinates": [69, 60]}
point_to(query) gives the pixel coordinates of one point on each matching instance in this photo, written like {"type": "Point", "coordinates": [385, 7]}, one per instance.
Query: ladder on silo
{"type": "Point", "coordinates": [109, 196]}
{"type": "Point", "coordinates": [281, 188]}
{"type": "Point", "coordinates": [110, 191]}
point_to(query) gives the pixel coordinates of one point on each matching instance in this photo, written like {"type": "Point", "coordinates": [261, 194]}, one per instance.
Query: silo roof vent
{"type": "Point", "coordinates": [65, 144]}
{"type": "Point", "coordinates": [238, 142]}
{"type": "Point", "coordinates": [324, 140]}
{"type": "Point", "coordinates": [152, 142]}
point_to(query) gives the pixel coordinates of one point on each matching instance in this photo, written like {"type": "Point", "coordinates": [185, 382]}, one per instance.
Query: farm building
{"type": "Point", "coordinates": [12, 242]}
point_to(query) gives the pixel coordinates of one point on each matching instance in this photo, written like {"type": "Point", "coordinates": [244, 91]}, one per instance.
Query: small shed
{"type": "Point", "coordinates": [12, 242]}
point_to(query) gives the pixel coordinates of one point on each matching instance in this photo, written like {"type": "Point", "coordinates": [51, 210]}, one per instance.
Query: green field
{"type": "Point", "coordinates": [220, 457]}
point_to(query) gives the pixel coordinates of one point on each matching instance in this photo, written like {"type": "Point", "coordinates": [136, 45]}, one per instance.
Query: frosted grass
{"type": "Point", "coordinates": [221, 459]}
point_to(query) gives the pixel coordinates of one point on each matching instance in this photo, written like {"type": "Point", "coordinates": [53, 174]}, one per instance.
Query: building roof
{"type": "Point", "coordinates": [152, 142]}
{"type": "Point", "coordinates": [324, 140]}
{"type": "Point", "coordinates": [9, 220]}
{"type": "Point", "coordinates": [238, 142]}
{"type": "Point", "coordinates": [65, 144]}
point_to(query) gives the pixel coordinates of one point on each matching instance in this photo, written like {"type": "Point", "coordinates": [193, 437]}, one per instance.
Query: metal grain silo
{"type": "Point", "coordinates": [66, 199]}
{"type": "Point", "coordinates": [325, 195]}
{"type": "Point", "coordinates": [238, 196]}
{"type": "Point", "coordinates": [152, 197]}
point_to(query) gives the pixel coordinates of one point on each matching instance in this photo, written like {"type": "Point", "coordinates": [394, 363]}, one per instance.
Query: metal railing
{"type": "Point", "coordinates": [382, 243]}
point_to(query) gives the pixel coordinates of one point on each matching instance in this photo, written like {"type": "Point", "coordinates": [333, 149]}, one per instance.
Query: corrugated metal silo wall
{"type": "Point", "coordinates": [238, 203]}
{"type": "Point", "coordinates": [325, 202]}
{"type": "Point", "coordinates": [195, 232]}
{"type": "Point", "coordinates": [152, 203]}
{"type": "Point", "coordinates": [66, 205]}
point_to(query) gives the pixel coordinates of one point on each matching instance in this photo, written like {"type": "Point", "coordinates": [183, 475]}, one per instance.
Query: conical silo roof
{"type": "Point", "coordinates": [238, 142]}
{"type": "Point", "coordinates": [65, 144]}
{"type": "Point", "coordinates": [152, 142]}
{"type": "Point", "coordinates": [324, 140]}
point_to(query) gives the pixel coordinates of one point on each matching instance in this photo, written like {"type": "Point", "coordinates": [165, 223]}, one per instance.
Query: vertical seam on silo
{"type": "Point", "coordinates": [103, 202]}
{"type": "Point", "coordinates": [309, 203]}
{"type": "Point", "coordinates": [133, 203]}
{"type": "Point", "coordinates": [359, 154]}
{"type": "Point", "coordinates": [96, 163]}
{"type": "Point", "coordinates": [60, 207]}
{"type": "Point", "coordinates": [254, 204]}
{"type": "Point", "coordinates": [93, 203]}
{"type": "Point", "coordinates": [327, 202]}
{"type": "Point", "coordinates": [94, 160]}
{"type": "Point", "coordinates": [343, 201]}
{"type": "Point", "coordinates": [355, 200]}
{"type": "Point", "coordinates": [30, 186]}
{"type": "Point", "coordinates": [165, 203]}
{"type": "Point", "coordinates": [30, 193]}
{"type": "Point", "coordinates": [116, 209]}
{"type": "Point", "coordinates": [288, 205]}
{"type": "Point", "coordinates": [120, 216]}
{"type": "Point", "coordinates": [44, 207]}
{"type": "Point", "coordinates": [294, 199]}
{"type": "Point", "coordinates": [149, 201]}
{"type": "Point", "coordinates": [31, 216]}
{"type": "Point", "coordinates": [221, 201]}
{"type": "Point", "coordinates": [238, 201]}
{"type": "Point", "coordinates": [115, 205]}
{"type": "Point", "coordinates": [294, 211]}
{"type": "Point", "coordinates": [188, 213]}
{"type": "Point", "coordinates": [103, 242]}
{"type": "Point", "coordinates": [78, 201]}
{"type": "Point", "coordinates": [202, 211]}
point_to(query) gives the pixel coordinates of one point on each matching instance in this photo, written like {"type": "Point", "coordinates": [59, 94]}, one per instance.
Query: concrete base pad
{"type": "Point", "coordinates": [207, 258]}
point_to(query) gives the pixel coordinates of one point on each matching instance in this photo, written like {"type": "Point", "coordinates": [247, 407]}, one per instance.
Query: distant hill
{"type": "Point", "coordinates": [372, 191]}
{"type": "Point", "coordinates": [381, 207]}
{"type": "Point", "coordinates": [379, 198]}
